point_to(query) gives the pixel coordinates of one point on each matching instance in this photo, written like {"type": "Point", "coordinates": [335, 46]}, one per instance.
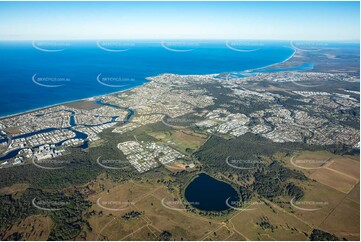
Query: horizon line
{"type": "Point", "coordinates": [187, 39]}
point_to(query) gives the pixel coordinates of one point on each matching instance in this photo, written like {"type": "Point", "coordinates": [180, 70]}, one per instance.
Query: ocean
{"type": "Point", "coordinates": [36, 74]}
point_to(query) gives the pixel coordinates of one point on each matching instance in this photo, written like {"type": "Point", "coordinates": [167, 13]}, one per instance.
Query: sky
{"type": "Point", "coordinates": [180, 20]}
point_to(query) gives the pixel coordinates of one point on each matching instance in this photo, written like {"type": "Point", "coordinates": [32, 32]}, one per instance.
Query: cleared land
{"type": "Point", "coordinates": [354, 195]}
{"type": "Point", "coordinates": [346, 166]}
{"type": "Point", "coordinates": [308, 161]}
{"type": "Point", "coordinates": [334, 179]}
{"type": "Point", "coordinates": [119, 228]}
{"type": "Point", "coordinates": [120, 197]}
{"type": "Point", "coordinates": [185, 140]}
{"type": "Point", "coordinates": [266, 222]}
{"type": "Point", "coordinates": [344, 221]}
{"type": "Point", "coordinates": [180, 224]}
{"type": "Point", "coordinates": [334, 193]}
{"type": "Point", "coordinates": [318, 197]}
{"type": "Point", "coordinates": [144, 233]}
{"type": "Point", "coordinates": [32, 228]}
{"type": "Point", "coordinates": [16, 188]}
{"type": "Point", "coordinates": [220, 234]}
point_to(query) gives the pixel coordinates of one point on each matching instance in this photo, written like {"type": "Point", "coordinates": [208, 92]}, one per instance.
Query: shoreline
{"type": "Point", "coordinates": [66, 102]}
{"type": "Point", "coordinates": [148, 80]}
{"type": "Point", "coordinates": [264, 67]}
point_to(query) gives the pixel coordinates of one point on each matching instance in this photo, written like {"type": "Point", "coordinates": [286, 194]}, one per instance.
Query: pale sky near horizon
{"type": "Point", "coordinates": [180, 20]}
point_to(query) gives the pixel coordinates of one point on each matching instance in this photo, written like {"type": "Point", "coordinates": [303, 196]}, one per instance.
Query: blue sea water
{"type": "Point", "coordinates": [35, 74]}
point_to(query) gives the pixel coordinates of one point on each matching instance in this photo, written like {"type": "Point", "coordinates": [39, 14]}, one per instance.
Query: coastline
{"type": "Point", "coordinates": [148, 80]}
{"type": "Point", "coordinates": [264, 67]}
{"type": "Point", "coordinates": [63, 103]}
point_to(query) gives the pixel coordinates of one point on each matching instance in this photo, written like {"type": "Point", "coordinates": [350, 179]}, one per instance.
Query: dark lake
{"type": "Point", "coordinates": [209, 194]}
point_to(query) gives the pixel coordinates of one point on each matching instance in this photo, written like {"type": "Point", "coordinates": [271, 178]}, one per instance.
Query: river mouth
{"type": "Point", "coordinates": [209, 194]}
